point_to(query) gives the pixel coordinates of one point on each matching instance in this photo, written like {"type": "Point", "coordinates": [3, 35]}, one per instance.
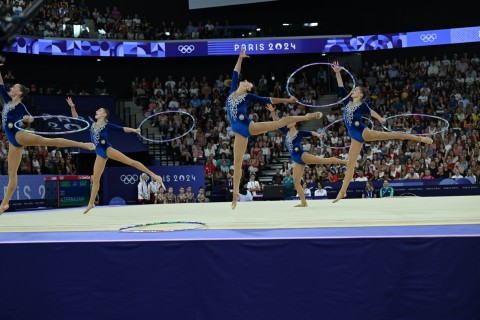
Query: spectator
{"type": "Point", "coordinates": [201, 197]}
{"type": "Point", "coordinates": [288, 183]}
{"type": "Point", "coordinates": [170, 196]}
{"type": "Point", "coordinates": [190, 195]}
{"type": "Point", "coordinates": [386, 190]}
{"type": "Point", "coordinates": [360, 176]}
{"type": "Point", "coordinates": [142, 189]}
{"type": "Point", "coordinates": [427, 175]}
{"type": "Point", "coordinates": [307, 191]}
{"type": "Point", "coordinates": [411, 174]}
{"type": "Point", "coordinates": [253, 185]}
{"type": "Point", "coordinates": [160, 197]}
{"type": "Point", "coordinates": [277, 177]}
{"type": "Point", "coordinates": [320, 192]}
{"type": "Point", "coordinates": [456, 174]}
{"type": "Point", "coordinates": [369, 191]}
{"type": "Point", "coordinates": [181, 196]}
{"type": "Point", "coordinates": [153, 187]}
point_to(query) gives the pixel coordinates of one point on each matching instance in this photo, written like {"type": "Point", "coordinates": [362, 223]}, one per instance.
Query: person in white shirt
{"type": "Point", "coordinates": [153, 187]}
{"type": "Point", "coordinates": [320, 192]}
{"type": "Point", "coordinates": [306, 190]}
{"type": "Point", "coordinates": [456, 174]}
{"type": "Point", "coordinates": [411, 175]}
{"type": "Point", "coordinates": [361, 176]}
{"type": "Point", "coordinates": [470, 176]}
{"type": "Point", "coordinates": [142, 189]}
{"type": "Point", "coordinates": [253, 186]}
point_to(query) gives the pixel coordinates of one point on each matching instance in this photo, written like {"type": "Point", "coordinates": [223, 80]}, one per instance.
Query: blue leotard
{"type": "Point", "coordinates": [237, 107]}
{"type": "Point", "coordinates": [352, 115]}
{"type": "Point", "coordinates": [99, 136]}
{"type": "Point", "coordinates": [10, 115]}
{"type": "Point", "coordinates": [294, 143]}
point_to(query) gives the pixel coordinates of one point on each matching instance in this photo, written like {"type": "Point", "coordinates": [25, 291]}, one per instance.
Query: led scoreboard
{"type": "Point", "coordinates": [67, 191]}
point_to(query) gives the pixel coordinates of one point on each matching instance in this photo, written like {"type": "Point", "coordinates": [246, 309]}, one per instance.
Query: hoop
{"type": "Point", "coordinates": [17, 125]}
{"type": "Point", "coordinates": [322, 105]}
{"type": "Point", "coordinates": [338, 120]}
{"type": "Point", "coordinates": [196, 225]}
{"type": "Point", "coordinates": [168, 111]}
{"type": "Point", "coordinates": [421, 115]}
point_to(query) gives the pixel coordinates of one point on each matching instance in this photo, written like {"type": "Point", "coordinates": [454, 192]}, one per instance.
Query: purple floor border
{"type": "Point", "coordinates": [251, 234]}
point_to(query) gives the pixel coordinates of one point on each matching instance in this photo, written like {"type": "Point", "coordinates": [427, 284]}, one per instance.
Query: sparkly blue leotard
{"type": "Point", "coordinates": [294, 143]}
{"type": "Point", "coordinates": [99, 136]}
{"type": "Point", "coordinates": [10, 115]}
{"type": "Point", "coordinates": [237, 107]}
{"type": "Point", "coordinates": [352, 115]}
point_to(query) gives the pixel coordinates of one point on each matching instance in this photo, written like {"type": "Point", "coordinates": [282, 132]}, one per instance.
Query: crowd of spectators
{"type": "Point", "coordinates": [68, 19]}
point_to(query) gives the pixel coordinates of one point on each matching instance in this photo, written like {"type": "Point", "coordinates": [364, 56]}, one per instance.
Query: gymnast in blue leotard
{"type": "Point", "coordinates": [293, 143]}
{"type": "Point", "coordinates": [14, 111]}
{"type": "Point", "coordinates": [99, 132]}
{"type": "Point", "coordinates": [355, 107]}
{"type": "Point", "coordinates": [238, 102]}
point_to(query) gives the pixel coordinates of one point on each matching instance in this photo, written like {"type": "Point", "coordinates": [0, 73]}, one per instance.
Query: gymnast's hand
{"type": "Point", "coordinates": [270, 108]}
{"type": "Point", "coordinates": [137, 131]}
{"type": "Point", "coordinates": [70, 102]}
{"type": "Point", "coordinates": [318, 135]}
{"type": "Point", "coordinates": [27, 118]}
{"type": "Point", "coordinates": [336, 67]}
{"type": "Point", "coordinates": [243, 54]}
{"type": "Point", "coordinates": [292, 99]}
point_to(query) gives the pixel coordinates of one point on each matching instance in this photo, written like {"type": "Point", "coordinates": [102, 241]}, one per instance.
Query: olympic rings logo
{"type": "Point", "coordinates": [428, 37]}
{"type": "Point", "coordinates": [186, 48]}
{"type": "Point", "coordinates": [129, 178]}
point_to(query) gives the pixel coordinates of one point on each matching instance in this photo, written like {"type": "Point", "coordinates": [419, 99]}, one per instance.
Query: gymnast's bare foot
{"type": "Point", "coordinates": [426, 140]}
{"type": "Point", "coordinates": [88, 146]}
{"type": "Point", "coordinates": [315, 115]}
{"type": "Point", "coordinates": [4, 208]}
{"type": "Point", "coordinates": [158, 179]}
{"type": "Point", "coordinates": [339, 197]}
{"type": "Point", "coordinates": [88, 208]}
{"type": "Point", "coordinates": [302, 205]}
{"type": "Point", "coordinates": [235, 200]}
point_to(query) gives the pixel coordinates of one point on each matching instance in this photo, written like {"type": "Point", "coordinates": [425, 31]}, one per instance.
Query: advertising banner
{"type": "Point", "coordinates": [123, 181]}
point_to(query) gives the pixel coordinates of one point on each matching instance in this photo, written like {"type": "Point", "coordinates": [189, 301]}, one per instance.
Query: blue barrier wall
{"type": "Point", "coordinates": [122, 181]}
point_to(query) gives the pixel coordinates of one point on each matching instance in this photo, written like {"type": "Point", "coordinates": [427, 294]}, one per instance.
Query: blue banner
{"type": "Point", "coordinates": [29, 187]}
{"type": "Point", "coordinates": [418, 187]}
{"type": "Point", "coordinates": [225, 47]}
{"type": "Point", "coordinates": [123, 181]}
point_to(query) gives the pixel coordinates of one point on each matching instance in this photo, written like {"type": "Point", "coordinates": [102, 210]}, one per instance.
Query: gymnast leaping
{"type": "Point", "coordinates": [13, 111]}
{"type": "Point", "coordinates": [293, 142]}
{"type": "Point", "coordinates": [243, 127]}
{"type": "Point", "coordinates": [104, 150]}
{"type": "Point", "coordinates": [358, 131]}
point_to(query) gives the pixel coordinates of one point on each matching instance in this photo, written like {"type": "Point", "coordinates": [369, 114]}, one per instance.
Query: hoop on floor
{"type": "Point", "coordinates": [420, 115]}
{"type": "Point", "coordinates": [67, 126]}
{"type": "Point", "coordinates": [322, 105]}
{"type": "Point", "coordinates": [193, 225]}
{"type": "Point", "coordinates": [336, 121]}
{"type": "Point", "coordinates": [163, 112]}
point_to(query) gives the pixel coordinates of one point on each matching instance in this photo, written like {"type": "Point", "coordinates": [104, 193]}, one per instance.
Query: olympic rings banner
{"type": "Point", "coordinates": [123, 181]}
{"type": "Point", "coordinates": [203, 48]}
